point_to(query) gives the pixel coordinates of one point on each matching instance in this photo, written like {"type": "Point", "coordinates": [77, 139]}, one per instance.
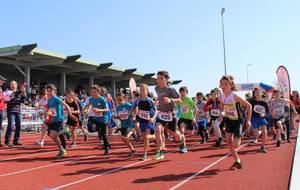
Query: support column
{"type": "Point", "coordinates": [91, 82]}
{"type": "Point", "coordinates": [63, 83]}
{"type": "Point", "coordinates": [113, 88]}
{"type": "Point", "coordinates": [27, 79]}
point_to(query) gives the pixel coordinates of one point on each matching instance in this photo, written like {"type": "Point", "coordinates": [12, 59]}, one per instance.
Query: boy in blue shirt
{"type": "Point", "coordinates": [100, 116]}
{"type": "Point", "coordinates": [56, 117]}
{"type": "Point", "coordinates": [124, 114]}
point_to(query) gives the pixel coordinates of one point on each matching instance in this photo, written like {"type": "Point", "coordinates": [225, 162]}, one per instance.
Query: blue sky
{"type": "Point", "coordinates": [181, 36]}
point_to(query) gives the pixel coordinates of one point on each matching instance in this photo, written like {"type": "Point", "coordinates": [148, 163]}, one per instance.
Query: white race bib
{"type": "Point", "coordinates": [123, 115]}
{"type": "Point", "coordinates": [144, 114]}
{"type": "Point", "coordinates": [215, 112]}
{"type": "Point", "coordinates": [201, 113]}
{"type": "Point", "coordinates": [259, 109]}
{"type": "Point", "coordinates": [231, 111]}
{"type": "Point", "coordinates": [278, 111]}
{"type": "Point", "coordinates": [185, 109]}
{"type": "Point", "coordinates": [166, 116]}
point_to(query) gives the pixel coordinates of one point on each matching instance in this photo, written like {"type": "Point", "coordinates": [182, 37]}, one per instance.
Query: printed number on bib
{"type": "Point", "coordinates": [201, 113]}
{"type": "Point", "coordinates": [53, 112]}
{"type": "Point", "coordinates": [99, 114]}
{"type": "Point", "coordinates": [144, 114]}
{"type": "Point", "coordinates": [278, 111]}
{"type": "Point", "coordinates": [185, 109]}
{"type": "Point", "coordinates": [231, 112]}
{"type": "Point", "coordinates": [123, 115]}
{"type": "Point", "coordinates": [215, 112]}
{"type": "Point", "coordinates": [259, 109]}
{"type": "Point", "coordinates": [166, 116]}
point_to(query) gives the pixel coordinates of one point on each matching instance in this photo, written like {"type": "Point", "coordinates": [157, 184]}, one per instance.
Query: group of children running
{"type": "Point", "coordinates": [174, 115]}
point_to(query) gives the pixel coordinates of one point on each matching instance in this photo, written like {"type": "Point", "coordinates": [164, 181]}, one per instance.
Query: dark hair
{"type": "Point", "coordinates": [43, 92]}
{"type": "Point", "coordinates": [120, 94]}
{"type": "Point", "coordinates": [199, 94]}
{"type": "Point", "coordinates": [230, 79]}
{"type": "Point", "coordinates": [213, 91]}
{"type": "Point", "coordinates": [51, 87]}
{"type": "Point", "coordinates": [183, 88]}
{"type": "Point", "coordinates": [95, 87]}
{"type": "Point", "coordinates": [164, 73]}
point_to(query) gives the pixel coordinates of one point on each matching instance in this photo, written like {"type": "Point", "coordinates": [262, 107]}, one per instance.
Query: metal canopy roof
{"type": "Point", "coordinates": [52, 63]}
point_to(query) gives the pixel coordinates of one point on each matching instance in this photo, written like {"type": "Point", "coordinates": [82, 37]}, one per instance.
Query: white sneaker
{"type": "Point", "coordinates": [40, 143]}
{"type": "Point", "coordinates": [73, 146]}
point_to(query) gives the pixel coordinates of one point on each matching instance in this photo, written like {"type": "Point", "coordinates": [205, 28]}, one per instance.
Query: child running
{"type": "Point", "coordinates": [55, 125]}
{"type": "Point", "coordinates": [73, 103]}
{"type": "Point", "coordinates": [166, 119]}
{"type": "Point", "coordinates": [42, 108]}
{"type": "Point", "coordinates": [187, 112]}
{"type": "Point", "coordinates": [201, 118]}
{"type": "Point", "coordinates": [146, 111]}
{"type": "Point", "coordinates": [98, 121]}
{"type": "Point", "coordinates": [213, 107]}
{"type": "Point", "coordinates": [123, 113]}
{"type": "Point", "coordinates": [231, 104]}
{"type": "Point", "coordinates": [260, 110]}
{"type": "Point", "coordinates": [277, 111]}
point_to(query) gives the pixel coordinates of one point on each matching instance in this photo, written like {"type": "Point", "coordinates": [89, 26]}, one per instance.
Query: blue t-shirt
{"type": "Point", "coordinates": [123, 112]}
{"type": "Point", "coordinates": [146, 109]}
{"type": "Point", "coordinates": [56, 108]}
{"type": "Point", "coordinates": [100, 103]}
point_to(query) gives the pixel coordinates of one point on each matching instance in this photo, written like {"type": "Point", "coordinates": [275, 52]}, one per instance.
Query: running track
{"type": "Point", "coordinates": [204, 167]}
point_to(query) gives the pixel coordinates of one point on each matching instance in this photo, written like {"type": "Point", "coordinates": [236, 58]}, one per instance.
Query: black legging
{"type": "Point", "coordinates": [102, 134]}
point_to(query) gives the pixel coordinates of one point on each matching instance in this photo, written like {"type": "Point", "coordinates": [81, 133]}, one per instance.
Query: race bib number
{"type": "Point", "coordinates": [144, 114]}
{"type": "Point", "coordinates": [215, 112]}
{"type": "Point", "coordinates": [201, 113]}
{"type": "Point", "coordinates": [184, 109]}
{"type": "Point", "coordinates": [123, 115]}
{"type": "Point", "coordinates": [278, 112]}
{"type": "Point", "coordinates": [53, 112]}
{"type": "Point", "coordinates": [231, 112]}
{"type": "Point", "coordinates": [99, 114]}
{"type": "Point", "coordinates": [166, 116]}
{"type": "Point", "coordinates": [259, 109]}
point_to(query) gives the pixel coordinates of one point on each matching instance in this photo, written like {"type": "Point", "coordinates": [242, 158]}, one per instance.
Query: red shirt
{"type": "Point", "coordinates": [2, 103]}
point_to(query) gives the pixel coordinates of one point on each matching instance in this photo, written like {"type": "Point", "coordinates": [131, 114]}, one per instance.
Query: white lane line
{"type": "Point", "coordinates": [204, 169]}
{"type": "Point", "coordinates": [108, 172]}
{"type": "Point", "coordinates": [295, 174]}
{"type": "Point", "coordinates": [37, 154]}
{"type": "Point", "coordinates": [55, 164]}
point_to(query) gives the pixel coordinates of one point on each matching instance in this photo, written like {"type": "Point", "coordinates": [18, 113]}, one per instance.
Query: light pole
{"type": "Point", "coordinates": [248, 65]}
{"type": "Point", "coordinates": [224, 51]}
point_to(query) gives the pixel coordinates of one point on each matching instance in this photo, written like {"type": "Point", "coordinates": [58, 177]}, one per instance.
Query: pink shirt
{"type": "Point", "coordinates": [2, 103]}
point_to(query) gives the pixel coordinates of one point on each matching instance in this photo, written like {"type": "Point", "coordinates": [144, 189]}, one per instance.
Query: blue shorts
{"type": "Point", "coordinates": [144, 126]}
{"type": "Point", "coordinates": [258, 122]}
{"type": "Point", "coordinates": [202, 123]}
{"type": "Point", "coordinates": [111, 123]}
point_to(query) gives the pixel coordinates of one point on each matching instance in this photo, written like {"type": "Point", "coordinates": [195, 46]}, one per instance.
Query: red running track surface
{"type": "Point", "coordinates": [203, 167]}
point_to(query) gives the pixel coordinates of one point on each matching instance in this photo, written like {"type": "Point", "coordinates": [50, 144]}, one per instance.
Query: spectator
{"type": "Point", "coordinates": [2, 106]}
{"type": "Point", "coordinates": [16, 98]}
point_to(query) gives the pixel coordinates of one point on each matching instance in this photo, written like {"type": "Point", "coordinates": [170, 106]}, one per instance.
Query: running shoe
{"type": "Point", "coordinates": [181, 144]}
{"type": "Point", "coordinates": [183, 150]}
{"type": "Point", "coordinates": [40, 143]}
{"type": "Point", "coordinates": [132, 153]}
{"type": "Point", "coordinates": [159, 155]}
{"type": "Point", "coordinates": [203, 141]}
{"type": "Point", "coordinates": [73, 146]}
{"type": "Point", "coordinates": [274, 137]}
{"type": "Point", "coordinates": [237, 165]}
{"type": "Point", "coordinates": [254, 141]}
{"type": "Point", "coordinates": [263, 149]}
{"type": "Point", "coordinates": [144, 157]}
{"type": "Point", "coordinates": [283, 136]}
{"type": "Point", "coordinates": [106, 152]}
{"type": "Point", "coordinates": [288, 140]}
{"type": "Point", "coordinates": [62, 153]}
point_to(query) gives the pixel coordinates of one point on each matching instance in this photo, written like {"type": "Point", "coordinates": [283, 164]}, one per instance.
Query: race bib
{"type": "Point", "coordinates": [53, 112]}
{"type": "Point", "coordinates": [231, 112]}
{"type": "Point", "coordinates": [215, 112]}
{"type": "Point", "coordinates": [144, 114]}
{"type": "Point", "coordinates": [166, 116]}
{"type": "Point", "coordinates": [259, 109]}
{"type": "Point", "coordinates": [278, 111]}
{"type": "Point", "coordinates": [98, 114]}
{"type": "Point", "coordinates": [201, 113]}
{"type": "Point", "coordinates": [123, 115]}
{"type": "Point", "coordinates": [185, 109]}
